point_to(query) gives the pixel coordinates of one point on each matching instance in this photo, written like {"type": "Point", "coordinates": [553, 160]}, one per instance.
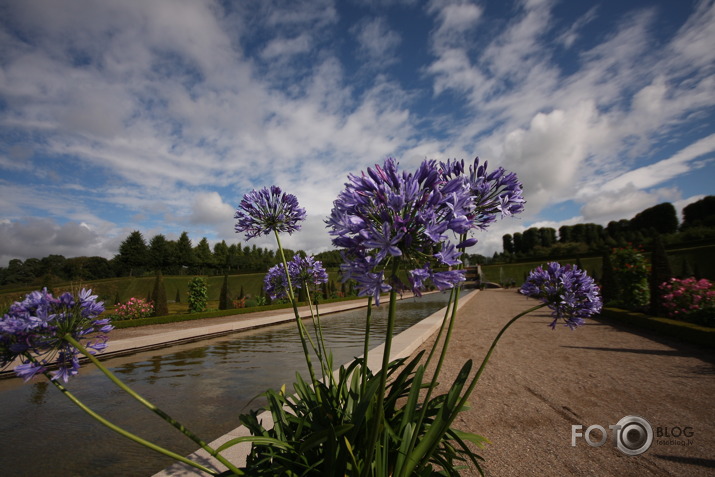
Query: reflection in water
{"type": "Point", "coordinates": [206, 385]}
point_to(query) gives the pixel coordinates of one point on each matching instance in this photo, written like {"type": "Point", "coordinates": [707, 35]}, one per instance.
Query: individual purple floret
{"type": "Point", "coordinates": [268, 210]}
{"type": "Point", "coordinates": [384, 216]}
{"type": "Point", "coordinates": [570, 293]}
{"type": "Point", "coordinates": [39, 325]}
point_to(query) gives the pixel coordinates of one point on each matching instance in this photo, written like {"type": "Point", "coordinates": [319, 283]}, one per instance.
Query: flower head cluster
{"type": "Point", "coordinates": [686, 297]}
{"type": "Point", "coordinates": [134, 309]}
{"type": "Point", "coordinates": [304, 272]}
{"type": "Point", "coordinates": [494, 193]}
{"type": "Point", "coordinates": [35, 330]}
{"type": "Point", "coordinates": [268, 210]}
{"type": "Point", "coordinates": [385, 217]}
{"type": "Point", "coordinates": [570, 293]}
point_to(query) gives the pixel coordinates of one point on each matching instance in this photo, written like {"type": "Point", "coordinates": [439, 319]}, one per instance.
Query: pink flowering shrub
{"type": "Point", "coordinates": [133, 309]}
{"type": "Point", "coordinates": [690, 300]}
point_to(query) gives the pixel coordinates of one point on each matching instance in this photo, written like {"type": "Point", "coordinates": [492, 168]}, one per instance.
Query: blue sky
{"type": "Point", "coordinates": [158, 116]}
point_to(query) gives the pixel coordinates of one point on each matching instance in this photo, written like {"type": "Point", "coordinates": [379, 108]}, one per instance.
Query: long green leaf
{"type": "Point", "coordinates": [258, 440]}
{"type": "Point", "coordinates": [435, 434]}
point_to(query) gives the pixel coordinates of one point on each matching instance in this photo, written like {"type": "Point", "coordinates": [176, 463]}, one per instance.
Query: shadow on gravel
{"type": "Point", "coordinates": [659, 352]}
{"type": "Point", "coordinates": [680, 347]}
{"type": "Point", "coordinates": [710, 463]}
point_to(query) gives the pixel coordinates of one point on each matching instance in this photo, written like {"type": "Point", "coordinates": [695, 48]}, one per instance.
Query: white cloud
{"type": "Point", "coordinates": [680, 163]}
{"type": "Point", "coordinates": [138, 105]}
{"type": "Point", "coordinates": [378, 43]}
{"type": "Point", "coordinates": [281, 47]}
{"type": "Point", "coordinates": [38, 238]}
{"type": "Point", "coordinates": [209, 208]}
{"type": "Point", "coordinates": [624, 204]}
{"type": "Point", "coordinates": [549, 156]}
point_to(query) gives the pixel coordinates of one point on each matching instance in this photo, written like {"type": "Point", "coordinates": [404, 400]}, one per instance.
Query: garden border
{"type": "Point", "coordinates": [682, 330]}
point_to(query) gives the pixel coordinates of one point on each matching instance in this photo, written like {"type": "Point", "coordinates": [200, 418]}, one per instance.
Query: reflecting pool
{"type": "Point", "coordinates": [205, 385]}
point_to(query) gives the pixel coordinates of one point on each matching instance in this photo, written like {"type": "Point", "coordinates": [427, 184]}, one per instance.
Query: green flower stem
{"type": "Point", "coordinates": [315, 318]}
{"type": "Point", "coordinates": [469, 390]}
{"type": "Point", "coordinates": [379, 406]}
{"type": "Point", "coordinates": [122, 431]}
{"type": "Point", "coordinates": [301, 328]}
{"type": "Point", "coordinates": [366, 342]}
{"type": "Point", "coordinates": [450, 316]}
{"type": "Point", "coordinates": [322, 349]}
{"type": "Point", "coordinates": [463, 400]}
{"type": "Point", "coordinates": [183, 429]}
{"type": "Point", "coordinates": [454, 302]}
{"type": "Point", "coordinates": [445, 322]}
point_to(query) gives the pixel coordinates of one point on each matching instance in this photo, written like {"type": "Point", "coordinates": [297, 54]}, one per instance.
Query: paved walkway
{"type": "Point", "coordinates": [539, 383]}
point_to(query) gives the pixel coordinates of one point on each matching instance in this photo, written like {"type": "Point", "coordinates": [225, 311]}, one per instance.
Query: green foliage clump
{"type": "Point", "coordinates": [198, 295]}
{"type": "Point", "coordinates": [631, 270]}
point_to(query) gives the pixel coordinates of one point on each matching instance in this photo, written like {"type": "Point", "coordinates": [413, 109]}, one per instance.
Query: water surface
{"type": "Point", "coordinates": [205, 385]}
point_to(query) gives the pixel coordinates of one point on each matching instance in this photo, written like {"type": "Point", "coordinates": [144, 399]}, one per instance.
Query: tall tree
{"type": "Point", "coordinates": [662, 218]}
{"type": "Point", "coordinates": [158, 253]}
{"type": "Point", "coordinates": [221, 256]}
{"type": "Point", "coordinates": [203, 257]}
{"type": "Point", "coordinates": [530, 239]}
{"type": "Point", "coordinates": [547, 236]}
{"type": "Point", "coordinates": [133, 252]}
{"type": "Point", "coordinates": [507, 243]}
{"type": "Point", "coordinates": [565, 234]}
{"type": "Point", "coordinates": [184, 251]}
{"type": "Point", "coordinates": [700, 213]}
{"type": "Point", "coordinates": [518, 243]}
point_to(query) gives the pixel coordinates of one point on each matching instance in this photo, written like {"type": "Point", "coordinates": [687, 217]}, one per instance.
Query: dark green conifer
{"type": "Point", "coordinates": [224, 301]}
{"type": "Point", "coordinates": [158, 296]}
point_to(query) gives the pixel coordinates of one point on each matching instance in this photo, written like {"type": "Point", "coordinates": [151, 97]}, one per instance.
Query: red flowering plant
{"type": "Point", "coordinates": [690, 300]}
{"type": "Point", "coordinates": [133, 309]}
{"type": "Point", "coordinates": [631, 269]}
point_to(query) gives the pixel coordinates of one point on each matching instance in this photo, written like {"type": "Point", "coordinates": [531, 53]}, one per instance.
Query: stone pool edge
{"type": "Point", "coordinates": [403, 345]}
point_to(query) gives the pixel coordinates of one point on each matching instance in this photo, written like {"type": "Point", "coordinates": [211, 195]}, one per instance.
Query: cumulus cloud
{"type": "Point", "coordinates": [378, 43]}
{"type": "Point", "coordinates": [209, 208]}
{"type": "Point", "coordinates": [117, 113]}
{"type": "Point", "coordinates": [22, 239]}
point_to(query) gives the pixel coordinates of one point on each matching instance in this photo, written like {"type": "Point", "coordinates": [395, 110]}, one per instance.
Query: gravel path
{"type": "Point", "coordinates": [540, 382]}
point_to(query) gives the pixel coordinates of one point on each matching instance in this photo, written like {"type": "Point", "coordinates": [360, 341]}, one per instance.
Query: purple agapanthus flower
{"type": "Point", "coordinates": [303, 271]}
{"type": "Point", "coordinates": [384, 215]}
{"type": "Point", "coordinates": [275, 283]}
{"type": "Point", "coordinates": [495, 193]}
{"type": "Point", "coordinates": [38, 327]}
{"type": "Point", "coordinates": [570, 293]}
{"type": "Point", "coordinates": [306, 271]}
{"type": "Point", "coordinates": [268, 210]}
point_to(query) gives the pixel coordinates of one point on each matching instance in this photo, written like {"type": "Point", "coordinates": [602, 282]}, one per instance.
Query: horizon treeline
{"type": "Point", "coordinates": [572, 240]}
{"type": "Point", "coordinates": [139, 257]}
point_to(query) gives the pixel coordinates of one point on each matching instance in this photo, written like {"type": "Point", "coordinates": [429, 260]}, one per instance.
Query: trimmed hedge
{"type": "Point", "coordinates": [175, 318]}
{"type": "Point", "coordinates": [683, 330]}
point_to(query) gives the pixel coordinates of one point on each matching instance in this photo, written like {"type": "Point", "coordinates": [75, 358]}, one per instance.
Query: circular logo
{"type": "Point", "coordinates": [634, 435]}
